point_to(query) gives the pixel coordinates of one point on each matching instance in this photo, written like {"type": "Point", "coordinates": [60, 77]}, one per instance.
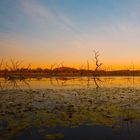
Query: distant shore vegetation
{"type": "Point", "coordinates": [15, 69]}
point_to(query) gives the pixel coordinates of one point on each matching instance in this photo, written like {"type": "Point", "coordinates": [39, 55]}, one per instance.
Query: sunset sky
{"type": "Point", "coordinates": [42, 32]}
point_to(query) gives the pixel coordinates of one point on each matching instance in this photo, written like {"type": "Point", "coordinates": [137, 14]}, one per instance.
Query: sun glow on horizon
{"type": "Point", "coordinates": [47, 32]}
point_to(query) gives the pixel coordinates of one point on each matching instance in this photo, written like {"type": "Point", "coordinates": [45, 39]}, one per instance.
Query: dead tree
{"type": "Point", "coordinates": [1, 64]}
{"type": "Point", "coordinates": [14, 66]}
{"type": "Point", "coordinates": [88, 67]}
{"type": "Point", "coordinates": [81, 69]}
{"type": "Point", "coordinates": [26, 70]}
{"type": "Point", "coordinates": [62, 64]}
{"type": "Point", "coordinates": [59, 68]}
{"type": "Point", "coordinates": [51, 69]}
{"type": "Point", "coordinates": [28, 67]}
{"type": "Point", "coordinates": [96, 60]}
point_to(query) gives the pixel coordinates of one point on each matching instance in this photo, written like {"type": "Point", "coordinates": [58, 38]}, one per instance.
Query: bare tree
{"type": "Point", "coordinates": [1, 63]}
{"type": "Point", "coordinates": [88, 67]}
{"type": "Point", "coordinates": [81, 67]}
{"type": "Point", "coordinates": [62, 64]}
{"type": "Point", "coordinates": [28, 67]}
{"type": "Point", "coordinates": [51, 68]}
{"type": "Point", "coordinates": [14, 66]}
{"type": "Point", "coordinates": [98, 64]}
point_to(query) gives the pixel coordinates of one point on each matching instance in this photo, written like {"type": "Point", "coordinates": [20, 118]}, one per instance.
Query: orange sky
{"type": "Point", "coordinates": [47, 32]}
{"type": "Point", "coordinates": [38, 55]}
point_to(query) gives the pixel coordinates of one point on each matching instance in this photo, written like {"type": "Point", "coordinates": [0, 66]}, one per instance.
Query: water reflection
{"type": "Point", "coordinates": [108, 110]}
{"type": "Point", "coordinates": [6, 84]}
{"type": "Point", "coordinates": [69, 82]}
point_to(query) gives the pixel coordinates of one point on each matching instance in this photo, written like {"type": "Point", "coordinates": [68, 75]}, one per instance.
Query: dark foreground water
{"type": "Point", "coordinates": [70, 109]}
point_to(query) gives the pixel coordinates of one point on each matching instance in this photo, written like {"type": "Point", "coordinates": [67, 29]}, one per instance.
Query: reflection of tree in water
{"type": "Point", "coordinates": [14, 84]}
{"type": "Point", "coordinates": [96, 81]}
{"type": "Point", "coordinates": [64, 82]}
{"type": "Point", "coordinates": [1, 85]}
{"type": "Point", "coordinates": [82, 82]}
{"type": "Point", "coordinates": [69, 108]}
{"type": "Point", "coordinates": [60, 81]}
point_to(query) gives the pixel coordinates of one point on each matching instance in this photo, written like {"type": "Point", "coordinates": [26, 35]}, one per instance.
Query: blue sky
{"type": "Point", "coordinates": [52, 31]}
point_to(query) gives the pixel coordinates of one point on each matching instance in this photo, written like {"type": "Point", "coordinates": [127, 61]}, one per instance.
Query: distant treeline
{"type": "Point", "coordinates": [15, 69]}
{"type": "Point", "coordinates": [65, 71]}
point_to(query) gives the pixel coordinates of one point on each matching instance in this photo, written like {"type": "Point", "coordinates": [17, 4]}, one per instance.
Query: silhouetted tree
{"type": "Point", "coordinates": [98, 64]}
{"type": "Point", "coordinates": [51, 68]}
{"type": "Point", "coordinates": [81, 69]}
{"type": "Point", "coordinates": [1, 63]}
{"type": "Point", "coordinates": [14, 66]}
{"type": "Point", "coordinates": [88, 67]}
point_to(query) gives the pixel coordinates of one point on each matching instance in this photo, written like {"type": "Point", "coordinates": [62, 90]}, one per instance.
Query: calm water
{"type": "Point", "coordinates": [70, 109]}
{"type": "Point", "coordinates": [70, 82]}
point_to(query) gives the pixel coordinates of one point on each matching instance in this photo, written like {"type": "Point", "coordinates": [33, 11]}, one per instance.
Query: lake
{"type": "Point", "coordinates": [70, 108]}
{"type": "Point", "coordinates": [69, 82]}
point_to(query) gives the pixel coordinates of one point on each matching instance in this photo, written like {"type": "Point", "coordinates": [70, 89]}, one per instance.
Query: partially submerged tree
{"type": "Point", "coordinates": [96, 60]}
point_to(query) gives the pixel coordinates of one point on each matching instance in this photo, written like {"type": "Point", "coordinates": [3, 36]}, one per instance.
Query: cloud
{"type": "Point", "coordinates": [43, 14]}
{"type": "Point", "coordinates": [46, 16]}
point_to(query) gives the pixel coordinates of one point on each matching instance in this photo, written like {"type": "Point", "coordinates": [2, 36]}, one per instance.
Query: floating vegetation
{"type": "Point", "coordinates": [49, 108]}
